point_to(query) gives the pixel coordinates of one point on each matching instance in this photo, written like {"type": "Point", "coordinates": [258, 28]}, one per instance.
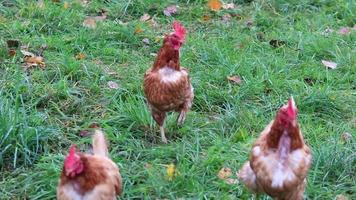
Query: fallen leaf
{"type": "Point", "coordinates": [84, 3]}
{"type": "Point", "coordinates": [157, 39]}
{"type": "Point", "coordinates": [113, 85]}
{"type": "Point", "coordinates": [239, 46]}
{"type": "Point", "coordinates": [231, 181]}
{"type": "Point", "coordinates": [27, 53]}
{"type": "Point", "coordinates": [235, 79]}
{"type": "Point", "coordinates": [66, 5]}
{"type": "Point", "coordinates": [329, 64]}
{"type": "Point", "coordinates": [214, 5]}
{"type": "Point", "coordinates": [89, 22]}
{"type": "Point", "coordinates": [148, 165]}
{"type": "Point", "coordinates": [224, 173]}
{"type": "Point", "coordinates": [276, 43]}
{"type": "Point", "coordinates": [226, 17]}
{"type": "Point", "coordinates": [228, 6]}
{"type": "Point", "coordinates": [341, 197]}
{"type": "Point", "coordinates": [170, 10]}
{"type": "Point", "coordinates": [171, 171]}
{"type": "Point", "coordinates": [31, 60]}
{"type": "Point", "coordinates": [146, 41]}
{"type": "Point", "coordinates": [145, 17]}
{"type": "Point", "coordinates": [40, 4]}
{"type": "Point", "coordinates": [13, 43]}
{"type": "Point", "coordinates": [11, 52]}
{"type": "Point", "coordinates": [346, 137]}
{"type": "Point", "coordinates": [80, 56]}
{"type": "Point", "coordinates": [344, 31]}
{"type": "Point", "coordinates": [206, 17]}
{"type": "Point", "coordinates": [138, 30]}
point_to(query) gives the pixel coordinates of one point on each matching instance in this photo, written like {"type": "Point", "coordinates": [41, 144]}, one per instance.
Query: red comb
{"type": "Point", "coordinates": [179, 30]}
{"type": "Point", "coordinates": [70, 159]}
{"type": "Point", "coordinates": [291, 108]}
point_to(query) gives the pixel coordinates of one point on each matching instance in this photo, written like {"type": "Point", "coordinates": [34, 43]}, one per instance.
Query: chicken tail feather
{"type": "Point", "coordinates": [99, 144]}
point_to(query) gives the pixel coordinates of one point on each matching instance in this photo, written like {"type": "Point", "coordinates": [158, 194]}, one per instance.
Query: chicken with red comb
{"type": "Point", "coordinates": [280, 159]}
{"type": "Point", "coordinates": [89, 177]}
{"type": "Point", "coordinates": [166, 84]}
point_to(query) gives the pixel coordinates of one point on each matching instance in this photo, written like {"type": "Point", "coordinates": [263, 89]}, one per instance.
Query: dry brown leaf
{"type": "Point", "coordinates": [206, 18]}
{"type": "Point", "coordinates": [11, 52]}
{"type": "Point", "coordinates": [80, 56]}
{"type": "Point", "coordinates": [66, 5]}
{"type": "Point", "coordinates": [13, 43]}
{"type": "Point", "coordinates": [224, 173]}
{"type": "Point", "coordinates": [329, 64]}
{"type": "Point", "coordinates": [89, 22]}
{"type": "Point", "coordinates": [113, 85]}
{"type": "Point", "coordinates": [145, 17]}
{"type": "Point", "coordinates": [276, 43]}
{"type": "Point", "coordinates": [214, 5]}
{"type": "Point", "coordinates": [138, 30]}
{"type": "Point", "coordinates": [235, 79]}
{"type": "Point", "coordinates": [31, 60]}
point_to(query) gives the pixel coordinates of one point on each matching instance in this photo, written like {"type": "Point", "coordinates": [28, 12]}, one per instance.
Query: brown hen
{"type": "Point", "coordinates": [280, 159]}
{"type": "Point", "coordinates": [167, 85]}
{"type": "Point", "coordinates": [90, 177]}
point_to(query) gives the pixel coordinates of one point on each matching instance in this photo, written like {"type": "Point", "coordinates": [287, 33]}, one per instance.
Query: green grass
{"type": "Point", "coordinates": [43, 111]}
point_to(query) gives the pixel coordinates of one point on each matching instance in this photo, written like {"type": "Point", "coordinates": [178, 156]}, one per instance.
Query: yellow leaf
{"type": "Point", "coordinates": [138, 30]}
{"type": "Point", "coordinates": [80, 56]}
{"type": "Point", "coordinates": [66, 5]}
{"type": "Point", "coordinates": [214, 5]}
{"type": "Point", "coordinates": [171, 170]}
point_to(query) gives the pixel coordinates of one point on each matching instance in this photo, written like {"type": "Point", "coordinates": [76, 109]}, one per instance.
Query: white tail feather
{"type": "Point", "coordinates": [99, 144]}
